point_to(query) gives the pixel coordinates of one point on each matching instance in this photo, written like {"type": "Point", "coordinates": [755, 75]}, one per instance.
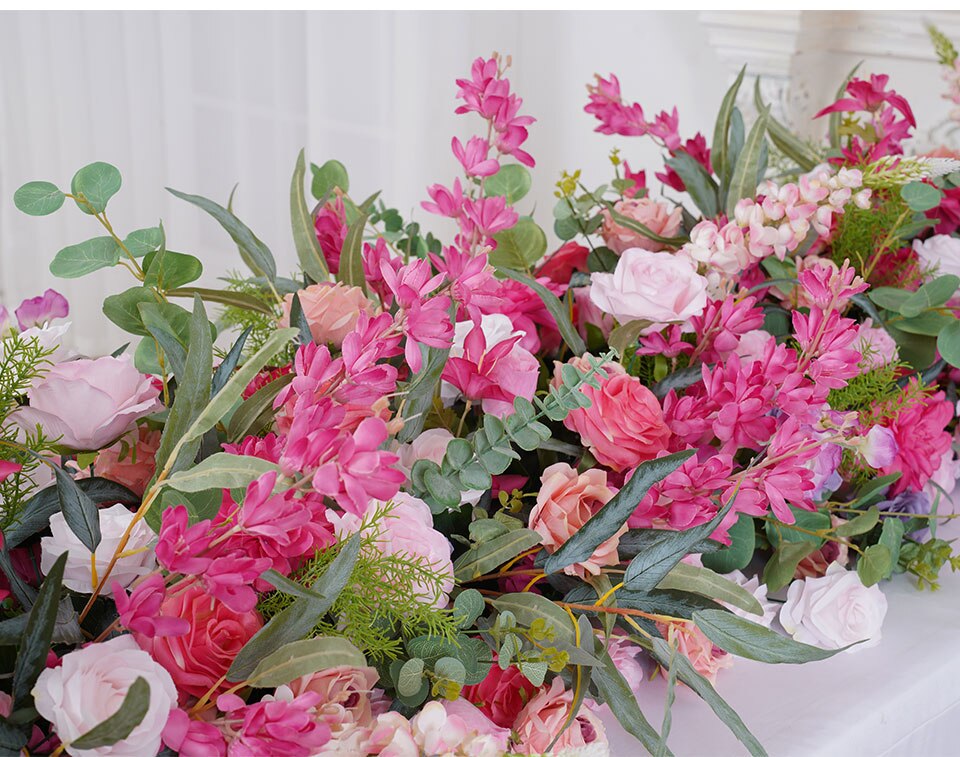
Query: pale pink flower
{"type": "Point", "coordinates": [659, 217]}
{"type": "Point", "coordinates": [331, 310]}
{"type": "Point", "coordinates": [543, 717]}
{"type": "Point", "coordinates": [707, 658]}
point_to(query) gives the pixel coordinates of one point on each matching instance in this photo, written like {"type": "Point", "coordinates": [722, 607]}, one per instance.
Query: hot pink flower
{"type": "Point", "coordinates": [446, 202]}
{"type": "Point", "coordinates": [8, 468]}
{"type": "Point", "coordinates": [921, 439]}
{"type": "Point", "coordinates": [501, 695]}
{"type": "Point", "coordinates": [615, 117]}
{"type": "Point", "coordinates": [140, 612]}
{"type": "Point", "coordinates": [193, 738]}
{"type": "Point", "coordinates": [870, 96]}
{"type": "Point", "coordinates": [330, 225]}
{"type": "Point", "coordinates": [181, 547]}
{"type": "Point", "coordinates": [490, 214]}
{"type": "Point", "coordinates": [474, 158]}
{"type": "Point", "coordinates": [287, 726]}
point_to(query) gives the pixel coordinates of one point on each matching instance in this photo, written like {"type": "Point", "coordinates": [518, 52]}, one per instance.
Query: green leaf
{"type": "Point", "coordinates": [490, 555]}
{"type": "Point", "coordinates": [288, 586]}
{"type": "Point", "coordinates": [622, 702]}
{"type": "Point", "coordinates": [36, 512]}
{"type": "Point", "coordinates": [736, 556]}
{"type": "Point", "coordinates": [231, 392]}
{"type": "Point", "coordinates": [677, 604]}
{"type": "Point", "coordinates": [933, 294]}
{"type": "Point", "coordinates": [34, 647]}
{"type": "Point", "coordinates": [609, 518]}
{"type": "Point", "coordinates": [875, 564]}
{"type": "Point", "coordinates": [529, 607]}
{"type": "Point", "coordinates": [519, 247]}
{"type": "Point", "coordinates": [256, 411]}
{"type": "Point", "coordinates": [123, 309]}
{"type": "Point", "coordinates": [473, 653]}
{"type": "Point", "coordinates": [301, 658]}
{"type": "Point", "coordinates": [916, 350]}
{"type": "Point", "coordinates": [168, 326]}
{"type": "Point", "coordinates": [873, 489]}
{"type": "Point", "coordinates": [512, 181]}
{"type": "Point", "coordinates": [299, 320]}
{"type": "Point", "coordinates": [79, 511]}
{"type": "Point", "coordinates": [451, 669]}
{"type": "Point", "coordinates": [800, 152]}
{"type": "Point", "coordinates": [743, 183]}
{"type": "Point", "coordinates": [229, 364]}
{"type": "Point", "coordinates": [255, 253]}
{"type": "Point", "coordinates": [167, 270]}
{"type": "Point", "coordinates": [97, 182]}
{"type": "Point", "coordinates": [704, 689]}
{"type": "Point", "coordinates": [929, 323]}
{"type": "Point", "coordinates": [644, 230]}
{"type": "Point", "coordinates": [920, 197]}
{"type": "Point", "coordinates": [331, 175]}
{"type": "Point", "coordinates": [193, 395]}
{"type": "Point", "coordinates": [420, 392]}
{"type": "Point", "coordinates": [555, 307]}
{"type": "Point", "coordinates": [38, 198]}
{"type": "Point", "coordinates": [780, 568]}
{"type": "Point", "coordinates": [297, 619]}
{"type": "Point", "coordinates": [304, 235]}
{"type": "Point", "coordinates": [625, 336]}
{"type": "Point", "coordinates": [351, 254]}
{"type": "Point", "coordinates": [779, 532]}
{"type": "Point", "coordinates": [861, 524]}
{"type": "Point", "coordinates": [120, 725]}
{"type": "Point", "coordinates": [221, 471]}
{"type": "Point", "coordinates": [602, 260]}
{"type": "Point", "coordinates": [889, 298]}
{"type": "Point", "coordinates": [442, 489]}
{"type": "Point", "coordinates": [745, 638]}
{"type": "Point", "coordinates": [240, 300]}
{"type": "Point", "coordinates": [202, 505]}
{"type": "Point", "coordinates": [699, 184]}
{"type": "Point", "coordinates": [948, 343]}
{"type": "Point", "coordinates": [705, 582]}
{"type": "Point", "coordinates": [718, 153]}
{"type": "Point", "coordinates": [80, 259]}
{"type": "Point", "coordinates": [891, 537]}
{"type": "Point", "coordinates": [143, 241]}
{"type": "Point", "coordinates": [467, 607]}
{"type": "Point", "coordinates": [410, 678]}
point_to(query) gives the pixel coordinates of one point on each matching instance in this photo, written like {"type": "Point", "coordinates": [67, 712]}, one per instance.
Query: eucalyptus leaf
{"type": "Point", "coordinates": [512, 181]}
{"type": "Point", "coordinates": [331, 175]}
{"type": "Point", "coordinates": [97, 183]}
{"type": "Point", "coordinates": [86, 257]}
{"type": "Point", "coordinates": [520, 246]}
{"type": "Point", "coordinates": [124, 309]}
{"type": "Point", "coordinates": [737, 555]}
{"type": "Point", "coordinates": [38, 198]}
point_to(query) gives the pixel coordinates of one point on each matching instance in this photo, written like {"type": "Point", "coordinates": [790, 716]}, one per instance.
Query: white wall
{"type": "Point", "coordinates": [200, 101]}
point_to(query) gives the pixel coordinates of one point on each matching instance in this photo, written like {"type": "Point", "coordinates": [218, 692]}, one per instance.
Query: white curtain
{"type": "Point", "coordinates": [202, 101]}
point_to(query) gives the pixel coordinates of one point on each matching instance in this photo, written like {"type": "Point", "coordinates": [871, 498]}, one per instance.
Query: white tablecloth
{"type": "Point", "coordinates": [900, 698]}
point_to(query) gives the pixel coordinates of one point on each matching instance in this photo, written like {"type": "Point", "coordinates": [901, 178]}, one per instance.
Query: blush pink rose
{"type": "Point", "coordinates": [89, 403]}
{"type": "Point", "coordinates": [199, 659]}
{"type": "Point", "coordinates": [478, 723]}
{"type": "Point", "coordinates": [624, 424]}
{"type": "Point", "coordinates": [344, 693]}
{"type": "Point", "coordinates": [653, 287]}
{"type": "Point", "coordinates": [131, 461]}
{"type": "Point", "coordinates": [543, 717]}
{"type": "Point", "coordinates": [659, 217]}
{"type": "Point", "coordinates": [331, 310]}
{"type": "Point", "coordinates": [391, 737]}
{"type": "Point", "coordinates": [565, 502]}
{"type": "Point", "coordinates": [501, 695]}
{"type": "Point", "coordinates": [707, 658]}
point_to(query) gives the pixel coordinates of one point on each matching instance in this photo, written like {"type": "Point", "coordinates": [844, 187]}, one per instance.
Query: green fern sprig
{"type": "Point", "coordinates": [942, 46]}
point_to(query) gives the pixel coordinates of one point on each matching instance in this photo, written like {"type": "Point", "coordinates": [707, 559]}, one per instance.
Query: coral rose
{"type": "Point", "coordinates": [707, 658]}
{"type": "Point", "coordinates": [501, 695]}
{"type": "Point", "coordinates": [131, 461]}
{"type": "Point", "coordinates": [544, 716]}
{"type": "Point", "coordinates": [562, 264]}
{"type": "Point", "coordinates": [565, 502]}
{"type": "Point", "coordinates": [331, 310]}
{"type": "Point", "coordinates": [624, 424]}
{"type": "Point", "coordinates": [659, 217]}
{"type": "Point", "coordinates": [197, 660]}
{"type": "Point", "coordinates": [89, 403]}
{"type": "Point", "coordinates": [654, 287]}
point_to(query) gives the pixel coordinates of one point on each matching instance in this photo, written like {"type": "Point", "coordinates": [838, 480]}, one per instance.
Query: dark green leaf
{"type": "Point", "coordinates": [124, 309]}
{"type": "Point", "coordinates": [331, 175]}
{"type": "Point", "coordinates": [255, 253]}
{"type": "Point", "coordinates": [745, 638]}
{"type": "Point", "coordinates": [229, 363]}
{"type": "Point", "coordinates": [718, 153]}
{"type": "Point", "coordinates": [622, 702]}
{"type": "Point", "coordinates": [609, 518]}
{"type": "Point", "coordinates": [891, 536]}
{"type": "Point", "coordinates": [38, 198]}
{"type": "Point", "coordinates": [37, 635]}
{"type": "Point", "coordinates": [142, 241]}
{"type": "Point", "coordinates": [861, 524]}
{"type": "Point", "coordinates": [305, 657]}
{"type": "Point", "coordinates": [80, 259]}
{"type": "Point", "coordinates": [166, 327]}
{"type": "Point", "coordinates": [420, 392]}
{"type": "Point", "coordinates": [304, 235]}
{"type": "Point", "coordinates": [948, 343]}
{"type": "Point", "coordinates": [929, 323]}
{"type": "Point", "coordinates": [490, 555]}
{"type": "Point", "coordinates": [875, 564]}
{"type": "Point", "coordinates": [602, 260]}
{"type": "Point", "coordinates": [699, 184]}
{"type": "Point", "coordinates": [224, 297]}
{"type": "Point", "coordinates": [167, 270]}
{"type": "Point", "coordinates": [933, 294]}
{"type": "Point", "coordinates": [554, 306]}
{"type": "Point", "coordinates": [778, 532]}
{"type": "Point", "coordinates": [299, 321]}
{"type": "Point", "coordinates": [889, 298]}
{"type": "Point", "coordinates": [351, 254]}
{"type": "Point", "coordinates": [737, 555]}
{"type": "Point", "coordinates": [743, 183]}
{"type": "Point", "coordinates": [257, 410]}
{"type": "Point", "coordinates": [97, 182]}
{"type": "Point", "coordinates": [121, 724]}
{"type": "Point", "coordinates": [298, 618]}
{"type": "Point", "coordinates": [780, 568]}
{"type": "Point", "coordinates": [706, 583]}
{"type": "Point", "coordinates": [79, 511]}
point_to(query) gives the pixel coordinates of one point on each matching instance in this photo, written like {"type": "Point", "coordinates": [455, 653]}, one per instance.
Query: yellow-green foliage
{"type": "Point", "coordinates": [261, 325]}
{"type": "Point", "coordinates": [863, 235]}
{"type": "Point", "coordinates": [380, 606]}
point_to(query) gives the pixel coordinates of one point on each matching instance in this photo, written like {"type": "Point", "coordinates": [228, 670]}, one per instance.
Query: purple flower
{"type": "Point", "coordinates": [909, 503]}
{"type": "Point", "coordinates": [38, 311]}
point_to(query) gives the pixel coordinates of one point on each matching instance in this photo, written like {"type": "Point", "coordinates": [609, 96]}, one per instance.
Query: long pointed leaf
{"type": "Point", "coordinates": [743, 183]}
{"type": "Point", "coordinates": [718, 152]}
{"type": "Point", "coordinates": [351, 254]}
{"type": "Point", "coordinates": [79, 511]}
{"type": "Point", "coordinates": [304, 235]}
{"type": "Point", "coordinates": [805, 156]}
{"type": "Point", "coordinates": [623, 703]}
{"type": "Point", "coordinates": [834, 118]}
{"type": "Point", "coordinates": [222, 374]}
{"type": "Point", "coordinates": [38, 635]}
{"type": "Point", "coordinates": [555, 308]}
{"type": "Point", "coordinates": [224, 297]}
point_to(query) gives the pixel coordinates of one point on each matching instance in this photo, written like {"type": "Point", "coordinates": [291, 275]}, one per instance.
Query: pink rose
{"type": "Point", "coordinates": [565, 502]}
{"type": "Point", "coordinates": [131, 460]}
{"type": "Point", "coordinates": [391, 737]}
{"type": "Point", "coordinates": [834, 610]}
{"type": "Point", "coordinates": [344, 693]}
{"type": "Point", "coordinates": [89, 403]}
{"type": "Point", "coordinates": [408, 530]}
{"type": "Point", "coordinates": [623, 653]}
{"type": "Point", "coordinates": [876, 345]}
{"type": "Point", "coordinates": [199, 659]}
{"type": "Point", "coordinates": [654, 287]}
{"type": "Point", "coordinates": [624, 424]}
{"type": "Point", "coordinates": [331, 310]}
{"type": "Point", "coordinates": [501, 695]}
{"type": "Point", "coordinates": [656, 216]}
{"type": "Point", "coordinates": [706, 658]}
{"type": "Point", "coordinates": [543, 717]}
{"type": "Point", "coordinates": [477, 722]}
{"type": "Point", "coordinates": [816, 563]}
{"type": "Point", "coordinates": [90, 684]}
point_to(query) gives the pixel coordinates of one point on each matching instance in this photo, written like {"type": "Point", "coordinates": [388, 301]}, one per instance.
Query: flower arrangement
{"type": "Point", "coordinates": [454, 495]}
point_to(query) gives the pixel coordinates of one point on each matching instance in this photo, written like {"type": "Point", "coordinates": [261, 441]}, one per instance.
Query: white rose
{"type": "Point", "coordinates": [90, 685]}
{"type": "Point", "coordinates": [659, 287]}
{"type": "Point", "coordinates": [139, 558]}
{"type": "Point", "coordinates": [759, 592]}
{"type": "Point", "coordinates": [834, 610]}
{"type": "Point", "coordinates": [939, 254]}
